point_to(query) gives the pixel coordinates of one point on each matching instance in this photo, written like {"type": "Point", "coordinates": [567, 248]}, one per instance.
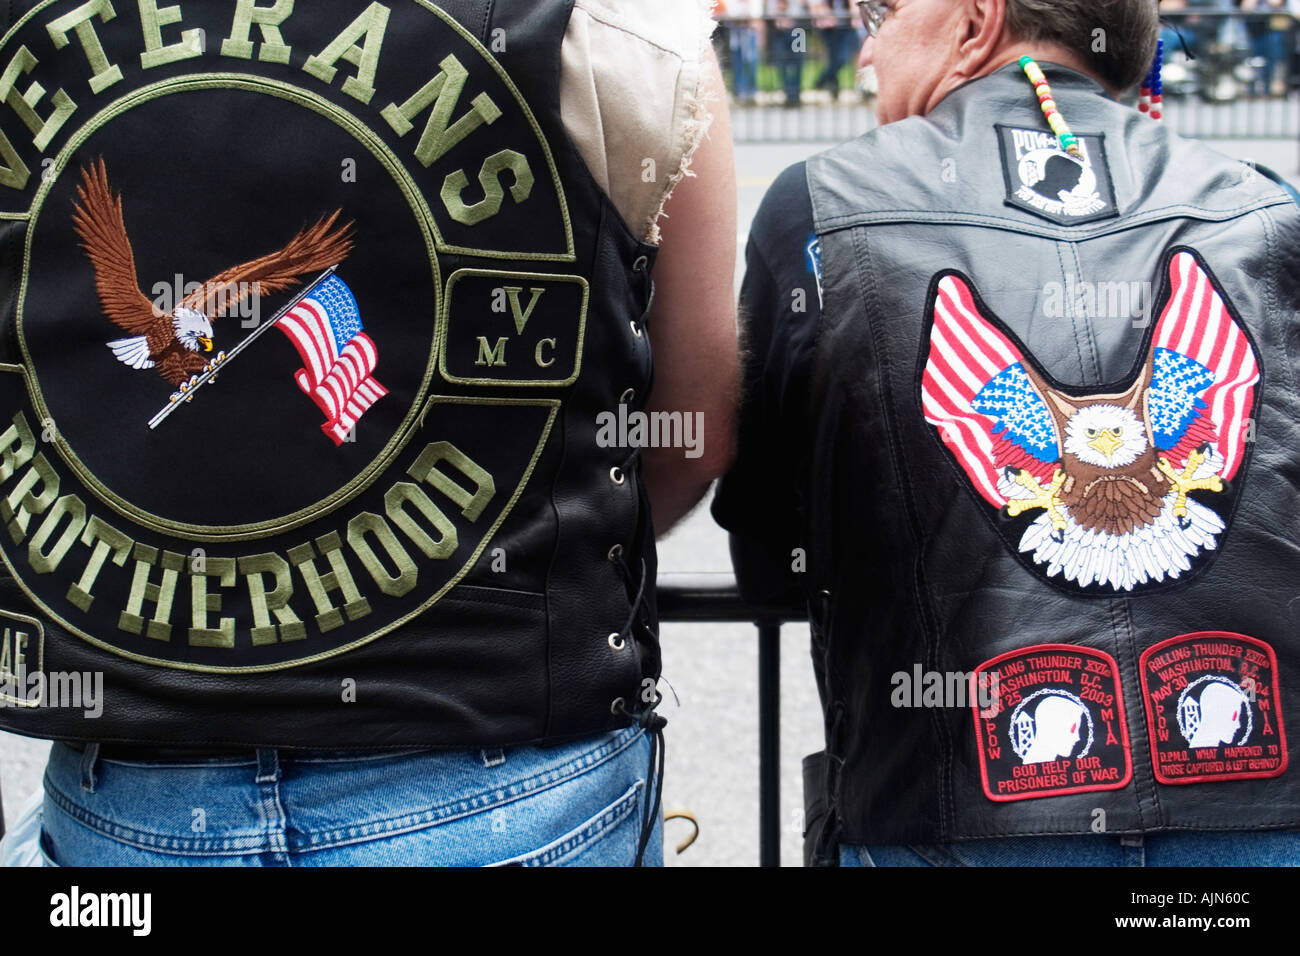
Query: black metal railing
{"type": "Point", "coordinates": [714, 598]}
{"type": "Point", "coordinates": [1228, 75]}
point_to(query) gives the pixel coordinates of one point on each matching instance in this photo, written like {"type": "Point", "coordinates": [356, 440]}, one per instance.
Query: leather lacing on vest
{"type": "Point", "coordinates": [648, 719]}
{"type": "Point", "coordinates": [653, 723]}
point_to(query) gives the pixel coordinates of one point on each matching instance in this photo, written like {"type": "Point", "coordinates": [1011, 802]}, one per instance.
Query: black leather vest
{"type": "Point", "coordinates": [388, 520]}
{"type": "Point", "coordinates": [1052, 512]}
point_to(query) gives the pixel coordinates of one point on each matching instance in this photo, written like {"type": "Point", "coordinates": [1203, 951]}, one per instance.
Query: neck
{"type": "Point", "coordinates": [1009, 52]}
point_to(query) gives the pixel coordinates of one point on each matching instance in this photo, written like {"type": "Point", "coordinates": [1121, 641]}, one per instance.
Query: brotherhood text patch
{"type": "Point", "coordinates": [1213, 707]}
{"type": "Point", "coordinates": [1044, 179]}
{"type": "Point", "coordinates": [1057, 726]}
{"type": "Point", "coordinates": [244, 423]}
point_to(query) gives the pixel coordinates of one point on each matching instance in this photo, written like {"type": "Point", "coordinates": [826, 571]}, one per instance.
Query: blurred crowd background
{"type": "Point", "coordinates": [788, 53]}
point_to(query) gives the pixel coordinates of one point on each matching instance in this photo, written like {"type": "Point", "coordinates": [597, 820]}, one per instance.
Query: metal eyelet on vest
{"type": "Point", "coordinates": [617, 705]}
{"type": "Point", "coordinates": [627, 397]}
{"type": "Point", "coordinates": [616, 642]}
{"type": "Point", "coordinates": [616, 552]}
{"type": "Point", "coordinates": [616, 475]}
{"type": "Point", "coordinates": [636, 328]}
{"type": "Point", "coordinates": [640, 263]}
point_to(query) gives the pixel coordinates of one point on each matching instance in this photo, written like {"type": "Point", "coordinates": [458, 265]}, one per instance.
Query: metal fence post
{"type": "Point", "coordinates": [714, 598]}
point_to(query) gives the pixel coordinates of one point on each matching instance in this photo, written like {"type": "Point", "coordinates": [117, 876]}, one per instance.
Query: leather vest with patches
{"type": "Point", "coordinates": [310, 317]}
{"type": "Point", "coordinates": [1052, 517]}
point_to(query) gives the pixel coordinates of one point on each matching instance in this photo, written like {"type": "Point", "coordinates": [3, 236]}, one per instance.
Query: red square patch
{"type": "Point", "coordinates": [1213, 708]}
{"type": "Point", "coordinates": [1056, 726]}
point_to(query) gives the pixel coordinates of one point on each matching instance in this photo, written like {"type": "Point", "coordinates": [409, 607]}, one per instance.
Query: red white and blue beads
{"type": "Point", "coordinates": [1069, 142]}
{"type": "Point", "coordinates": [1150, 93]}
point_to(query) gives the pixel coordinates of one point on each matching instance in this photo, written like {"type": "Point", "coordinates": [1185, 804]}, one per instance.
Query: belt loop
{"type": "Point", "coordinates": [88, 758]}
{"type": "Point", "coordinates": [493, 758]}
{"type": "Point", "coordinates": [1134, 850]}
{"type": "Point", "coordinates": [268, 765]}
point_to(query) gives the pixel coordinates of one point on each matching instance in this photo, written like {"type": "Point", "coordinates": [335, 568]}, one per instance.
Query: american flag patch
{"type": "Point", "coordinates": [338, 357]}
{"type": "Point", "coordinates": [1209, 351]}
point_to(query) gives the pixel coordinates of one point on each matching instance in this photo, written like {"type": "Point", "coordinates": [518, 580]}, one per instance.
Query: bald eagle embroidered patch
{"type": "Point", "coordinates": [1111, 490]}
{"type": "Point", "coordinates": [323, 321]}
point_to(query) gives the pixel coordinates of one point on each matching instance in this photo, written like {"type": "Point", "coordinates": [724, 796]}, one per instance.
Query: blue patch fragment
{"type": "Point", "coordinates": [1174, 397]}
{"type": "Point", "coordinates": [1009, 398]}
{"type": "Point", "coordinates": [813, 255]}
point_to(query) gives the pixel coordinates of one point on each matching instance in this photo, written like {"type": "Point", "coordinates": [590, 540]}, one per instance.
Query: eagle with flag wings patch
{"type": "Point", "coordinates": [1101, 493]}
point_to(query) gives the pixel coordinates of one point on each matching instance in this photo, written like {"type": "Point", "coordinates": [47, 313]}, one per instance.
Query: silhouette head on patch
{"type": "Point", "coordinates": [1060, 174]}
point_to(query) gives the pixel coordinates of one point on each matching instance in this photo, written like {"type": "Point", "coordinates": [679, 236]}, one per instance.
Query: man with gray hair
{"type": "Point", "coordinates": [963, 472]}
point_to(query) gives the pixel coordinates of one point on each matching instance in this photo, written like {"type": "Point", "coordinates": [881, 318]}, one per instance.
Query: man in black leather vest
{"type": "Point", "coordinates": [1022, 427]}
{"type": "Point", "coordinates": [390, 522]}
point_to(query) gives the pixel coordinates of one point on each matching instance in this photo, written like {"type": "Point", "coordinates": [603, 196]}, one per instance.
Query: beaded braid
{"type": "Point", "coordinates": [1069, 142]}
{"type": "Point", "coordinates": [1150, 95]}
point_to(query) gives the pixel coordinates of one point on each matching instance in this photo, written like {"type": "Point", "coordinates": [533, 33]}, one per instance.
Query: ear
{"type": "Point", "coordinates": [982, 28]}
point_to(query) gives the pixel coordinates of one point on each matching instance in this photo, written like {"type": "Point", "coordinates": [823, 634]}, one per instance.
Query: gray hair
{"type": "Point", "coordinates": [1117, 38]}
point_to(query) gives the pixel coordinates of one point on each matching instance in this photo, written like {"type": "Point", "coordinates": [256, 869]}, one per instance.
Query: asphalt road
{"type": "Point", "coordinates": [712, 736]}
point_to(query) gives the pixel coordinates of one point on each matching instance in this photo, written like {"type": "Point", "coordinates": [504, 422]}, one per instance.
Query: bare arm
{"type": "Point", "coordinates": [692, 326]}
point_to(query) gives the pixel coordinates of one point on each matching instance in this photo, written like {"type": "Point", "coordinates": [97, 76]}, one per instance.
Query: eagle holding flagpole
{"type": "Point", "coordinates": [323, 322]}
{"type": "Point", "coordinates": [174, 343]}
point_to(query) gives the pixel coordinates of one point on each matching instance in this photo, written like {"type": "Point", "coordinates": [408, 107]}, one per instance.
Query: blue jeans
{"type": "Point", "coordinates": [1269, 45]}
{"type": "Point", "coordinates": [842, 46]}
{"type": "Point", "coordinates": [744, 60]}
{"type": "Point", "coordinates": [1217, 848]}
{"type": "Point", "coordinates": [579, 804]}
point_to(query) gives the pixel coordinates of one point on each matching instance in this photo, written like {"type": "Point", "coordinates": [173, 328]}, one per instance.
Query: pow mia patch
{"type": "Point", "coordinates": [1044, 179]}
{"type": "Point", "coordinates": [1213, 707]}
{"type": "Point", "coordinates": [1057, 725]}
